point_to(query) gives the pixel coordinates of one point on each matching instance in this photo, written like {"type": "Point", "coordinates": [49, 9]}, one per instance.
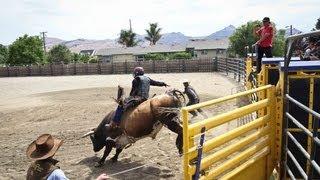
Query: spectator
{"type": "Point", "coordinates": [312, 50]}
{"type": "Point", "coordinates": [44, 166]}
{"type": "Point", "coordinates": [265, 42]}
{"type": "Point", "coordinates": [193, 98]}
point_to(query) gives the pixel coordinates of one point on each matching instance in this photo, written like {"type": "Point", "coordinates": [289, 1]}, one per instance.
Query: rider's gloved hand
{"type": "Point", "coordinates": [166, 85]}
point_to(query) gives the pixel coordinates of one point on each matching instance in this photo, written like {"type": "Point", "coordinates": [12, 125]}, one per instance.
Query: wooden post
{"type": "Point", "coordinates": [126, 67]}
{"type": "Point", "coordinates": [99, 67]}
{"type": "Point", "coordinates": [29, 70]}
{"type": "Point", "coordinates": [8, 71]}
{"type": "Point", "coordinates": [74, 68]}
{"type": "Point", "coordinates": [86, 69]}
{"type": "Point", "coordinates": [239, 70]}
{"type": "Point", "coordinates": [39, 70]}
{"type": "Point", "coordinates": [112, 68]}
{"type": "Point", "coordinates": [198, 65]}
{"type": "Point", "coordinates": [153, 66]}
{"type": "Point", "coordinates": [17, 68]}
{"type": "Point", "coordinates": [227, 66]}
{"type": "Point", "coordinates": [51, 70]}
{"type": "Point", "coordinates": [183, 65]}
{"type": "Point", "coordinates": [215, 64]}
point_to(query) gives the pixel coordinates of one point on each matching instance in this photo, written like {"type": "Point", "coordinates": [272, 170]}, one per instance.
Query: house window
{"type": "Point", "coordinates": [139, 57]}
{"type": "Point", "coordinates": [204, 52]}
{"type": "Point", "coordinates": [219, 51]}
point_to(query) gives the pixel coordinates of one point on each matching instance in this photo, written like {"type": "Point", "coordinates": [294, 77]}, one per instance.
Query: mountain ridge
{"type": "Point", "coordinates": [172, 38]}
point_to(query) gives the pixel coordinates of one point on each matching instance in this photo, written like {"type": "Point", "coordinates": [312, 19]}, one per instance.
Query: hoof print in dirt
{"type": "Point", "coordinates": [99, 164]}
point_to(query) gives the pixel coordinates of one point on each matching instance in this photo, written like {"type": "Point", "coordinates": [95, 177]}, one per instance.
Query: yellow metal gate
{"type": "Point", "coordinates": [253, 152]}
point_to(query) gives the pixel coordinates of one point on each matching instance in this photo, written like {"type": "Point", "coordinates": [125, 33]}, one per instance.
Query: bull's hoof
{"type": "Point", "coordinates": [99, 164]}
{"type": "Point", "coordinates": [114, 159]}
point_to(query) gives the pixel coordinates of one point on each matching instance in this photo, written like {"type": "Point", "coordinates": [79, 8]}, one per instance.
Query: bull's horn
{"type": "Point", "coordinates": [88, 134]}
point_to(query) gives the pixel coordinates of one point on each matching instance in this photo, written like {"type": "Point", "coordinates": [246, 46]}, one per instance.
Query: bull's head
{"type": "Point", "coordinates": [98, 140]}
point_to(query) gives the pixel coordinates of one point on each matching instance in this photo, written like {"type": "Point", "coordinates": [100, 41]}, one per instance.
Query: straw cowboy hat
{"type": "Point", "coordinates": [44, 147]}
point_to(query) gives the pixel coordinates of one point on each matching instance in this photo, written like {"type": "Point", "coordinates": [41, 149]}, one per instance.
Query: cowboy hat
{"type": "Point", "coordinates": [44, 147]}
{"type": "Point", "coordinates": [185, 81]}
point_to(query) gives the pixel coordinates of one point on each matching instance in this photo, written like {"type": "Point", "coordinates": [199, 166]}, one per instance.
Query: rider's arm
{"type": "Point", "coordinates": [134, 87]}
{"type": "Point", "coordinates": [157, 83]}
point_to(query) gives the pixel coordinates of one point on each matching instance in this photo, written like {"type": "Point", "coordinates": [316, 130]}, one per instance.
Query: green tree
{"type": "Point", "coordinates": [26, 50]}
{"type": "Point", "coordinates": [153, 33]}
{"type": "Point", "coordinates": [180, 55]}
{"type": "Point", "coordinates": [59, 53]}
{"type": "Point", "coordinates": [279, 43]}
{"type": "Point", "coordinates": [85, 58]}
{"type": "Point", "coordinates": [243, 36]}
{"type": "Point", "coordinates": [3, 54]}
{"type": "Point", "coordinates": [154, 56]}
{"type": "Point", "coordinates": [128, 38]}
{"type": "Point", "coordinates": [75, 57]}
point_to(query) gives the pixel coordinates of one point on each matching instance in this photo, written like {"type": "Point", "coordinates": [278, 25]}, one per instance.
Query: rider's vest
{"type": "Point", "coordinates": [41, 170]}
{"type": "Point", "coordinates": [144, 87]}
{"type": "Point", "coordinates": [191, 93]}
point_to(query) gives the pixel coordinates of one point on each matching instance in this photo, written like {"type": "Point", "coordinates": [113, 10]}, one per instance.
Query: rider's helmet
{"type": "Point", "coordinates": [138, 71]}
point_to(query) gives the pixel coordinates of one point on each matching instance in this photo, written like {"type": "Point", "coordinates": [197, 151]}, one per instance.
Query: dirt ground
{"type": "Point", "coordinates": [67, 107]}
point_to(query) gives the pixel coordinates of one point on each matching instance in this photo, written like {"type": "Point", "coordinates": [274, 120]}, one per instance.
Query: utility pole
{"type": "Point", "coordinates": [130, 24]}
{"type": "Point", "coordinates": [290, 29]}
{"type": "Point", "coordinates": [44, 40]}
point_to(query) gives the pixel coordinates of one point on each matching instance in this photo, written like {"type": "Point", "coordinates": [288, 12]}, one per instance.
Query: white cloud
{"type": "Point", "coordinates": [101, 19]}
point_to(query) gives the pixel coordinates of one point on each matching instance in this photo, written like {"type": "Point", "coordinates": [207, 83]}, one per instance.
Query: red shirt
{"type": "Point", "coordinates": [267, 42]}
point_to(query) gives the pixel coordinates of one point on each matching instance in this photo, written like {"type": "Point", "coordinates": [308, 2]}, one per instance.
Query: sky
{"type": "Point", "coordinates": [103, 19]}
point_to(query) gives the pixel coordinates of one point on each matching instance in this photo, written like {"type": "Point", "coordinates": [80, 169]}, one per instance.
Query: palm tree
{"type": "Point", "coordinates": [128, 38]}
{"type": "Point", "coordinates": [153, 33]}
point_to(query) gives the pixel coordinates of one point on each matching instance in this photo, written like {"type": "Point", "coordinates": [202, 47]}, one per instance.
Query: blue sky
{"type": "Point", "coordinates": [103, 19]}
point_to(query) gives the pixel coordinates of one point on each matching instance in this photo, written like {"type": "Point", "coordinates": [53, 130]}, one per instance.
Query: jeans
{"type": "Point", "coordinates": [194, 113]}
{"type": "Point", "coordinates": [130, 104]}
{"type": "Point", "coordinates": [261, 51]}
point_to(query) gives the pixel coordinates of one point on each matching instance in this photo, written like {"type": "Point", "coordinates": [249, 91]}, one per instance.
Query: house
{"type": "Point", "coordinates": [136, 53]}
{"type": "Point", "coordinates": [89, 52]}
{"type": "Point", "coordinates": [202, 48]}
{"type": "Point", "coordinates": [198, 48]}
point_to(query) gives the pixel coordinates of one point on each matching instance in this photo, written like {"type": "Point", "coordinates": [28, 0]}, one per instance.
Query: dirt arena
{"type": "Point", "coordinates": [67, 107]}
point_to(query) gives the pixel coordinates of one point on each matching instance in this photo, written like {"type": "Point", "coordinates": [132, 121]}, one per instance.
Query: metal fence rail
{"type": "Point", "coordinates": [313, 135]}
{"type": "Point", "coordinates": [235, 66]}
{"type": "Point", "coordinates": [291, 42]}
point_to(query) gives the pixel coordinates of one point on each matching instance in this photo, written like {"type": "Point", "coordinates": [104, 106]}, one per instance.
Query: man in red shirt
{"type": "Point", "coordinates": [265, 42]}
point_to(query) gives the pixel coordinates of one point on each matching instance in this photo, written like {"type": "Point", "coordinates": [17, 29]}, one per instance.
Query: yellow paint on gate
{"type": "Point", "coordinates": [253, 152]}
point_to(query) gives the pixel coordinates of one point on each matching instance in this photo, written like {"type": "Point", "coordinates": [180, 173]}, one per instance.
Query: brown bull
{"type": "Point", "coordinates": [146, 120]}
